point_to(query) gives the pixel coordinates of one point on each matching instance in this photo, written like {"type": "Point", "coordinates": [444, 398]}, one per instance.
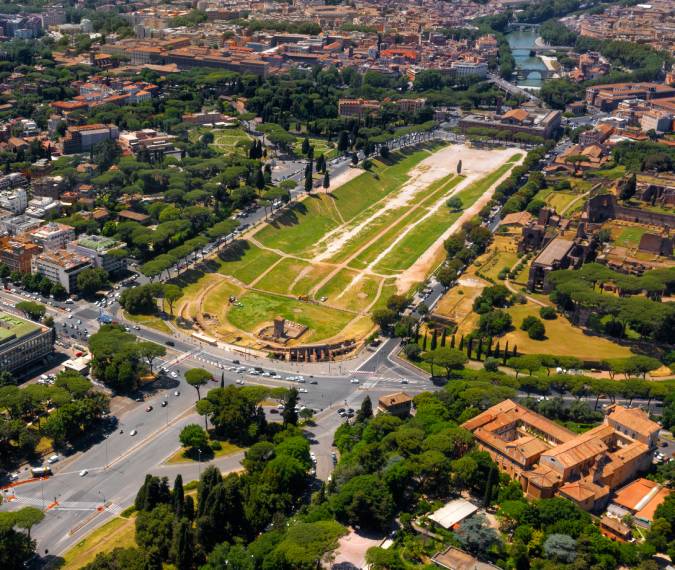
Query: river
{"type": "Point", "coordinates": [521, 42]}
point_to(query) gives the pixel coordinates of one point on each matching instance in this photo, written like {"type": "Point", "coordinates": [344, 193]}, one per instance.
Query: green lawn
{"type": "Point", "coordinates": [118, 532]}
{"type": "Point", "coordinates": [396, 221]}
{"type": "Point", "coordinates": [417, 241]}
{"type": "Point", "coordinates": [356, 298]}
{"type": "Point", "coordinates": [557, 199]}
{"type": "Point", "coordinates": [630, 237]}
{"type": "Point", "coordinates": [152, 321]}
{"type": "Point", "coordinates": [303, 225]}
{"type": "Point", "coordinates": [224, 140]}
{"type": "Point", "coordinates": [282, 275]}
{"type": "Point", "coordinates": [321, 146]}
{"type": "Point", "coordinates": [260, 308]}
{"type": "Point", "coordinates": [245, 261]}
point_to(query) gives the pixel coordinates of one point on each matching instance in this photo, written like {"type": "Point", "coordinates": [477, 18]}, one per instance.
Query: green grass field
{"type": "Point", "coordinates": [260, 308]}
{"type": "Point", "coordinates": [417, 241]}
{"type": "Point", "coordinates": [395, 221]}
{"type": "Point", "coordinates": [245, 261]}
{"type": "Point", "coordinates": [282, 275]}
{"type": "Point", "coordinates": [630, 237]}
{"type": "Point", "coordinates": [356, 298]}
{"type": "Point", "coordinates": [302, 226]}
{"type": "Point", "coordinates": [557, 199]}
{"type": "Point", "coordinates": [151, 321]}
{"type": "Point", "coordinates": [224, 140]}
{"type": "Point", "coordinates": [321, 146]}
{"type": "Point", "coordinates": [118, 532]}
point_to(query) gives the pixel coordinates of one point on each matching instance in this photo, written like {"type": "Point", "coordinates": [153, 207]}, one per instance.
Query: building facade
{"type": "Point", "coordinates": [101, 251]}
{"type": "Point", "coordinates": [23, 342]}
{"type": "Point", "coordinates": [61, 267]}
{"type": "Point", "coordinates": [53, 236]}
{"type": "Point", "coordinates": [549, 460]}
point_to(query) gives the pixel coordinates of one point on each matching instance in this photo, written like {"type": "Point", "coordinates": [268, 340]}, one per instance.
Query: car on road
{"type": "Point", "coordinates": [173, 374]}
{"type": "Point", "coordinates": [354, 380]}
{"type": "Point", "coordinates": [313, 382]}
{"type": "Point", "coordinates": [341, 411]}
{"type": "Point", "coordinates": [303, 390]}
{"type": "Point", "coordinates": [133, 432]}
{"type": "Point", "coordinates": [267, 374]}
{"type": "Point", "coordinates": [53, 459]}
{"type": "Point", "coordinates": [404, 381]}
{"type": "Point", "coordinates": [176, 393]}
{"type": "Point", "coordinates": [137, 327]}
{"type": "Point", "coordinates": [83, 472]}
{"type": "Point", "coordinates": [169, 343]}
{"type": "Point", "coordinates": [164, 403]}
{"type": "Point", "coordinates": [149, 409]}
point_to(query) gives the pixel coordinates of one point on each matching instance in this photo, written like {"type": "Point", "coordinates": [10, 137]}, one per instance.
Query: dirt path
{"type": "Point", "coordinates": [270, 268]}
{"type": "Point", "coordinates": [511, 287]}
{"type": "Point", "coordinates": [419, 271]}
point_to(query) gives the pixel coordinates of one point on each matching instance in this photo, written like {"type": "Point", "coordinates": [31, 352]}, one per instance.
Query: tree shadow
{"type": "Point", "coordinates": [206, 455]}
{"type": "Point", "coordinates": [291, 216]}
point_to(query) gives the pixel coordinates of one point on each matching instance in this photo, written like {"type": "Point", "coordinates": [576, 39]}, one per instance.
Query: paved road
{"type": "Point", "coordinates": [117, 464]}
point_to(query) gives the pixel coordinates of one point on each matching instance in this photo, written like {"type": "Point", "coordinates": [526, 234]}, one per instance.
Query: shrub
{"type": "Point", "coordinates": [537, 331]}
{"type": "Point", "coordinates": [548, 313]}
{"type": "Point", "coordinates": [528, 322]}
{"type": "Point", "coordinates": [215, 445]}
{"type": "Point", "coordinates": [491, 364]}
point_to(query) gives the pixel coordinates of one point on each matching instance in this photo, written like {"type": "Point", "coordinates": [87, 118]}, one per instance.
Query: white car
{"type": "Point", "coordinates": [133, 432]}
{"type": "Point", "coordinates": [354, 380]}
{"type": "Point", "coordinates": [290, 378]}
{"type": "Point", "coordinates": [266, 374]}
{"type": "Point", "coordinates": [303, 390]}
{"type": "Point", "coordinates": [83, 472]}
{"type": "Point", "coordinates": [173, 374]}
{"type": "Point", "coordinates": [53, 459]}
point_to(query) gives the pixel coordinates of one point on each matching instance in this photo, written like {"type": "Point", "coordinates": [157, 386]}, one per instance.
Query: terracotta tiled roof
{"type": "Point", "coordinates": [635, 419]}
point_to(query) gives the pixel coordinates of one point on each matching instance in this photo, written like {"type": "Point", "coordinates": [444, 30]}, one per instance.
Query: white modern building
{"type": "Point", "coordinates": [61, 266]}
{"type": "Point", "coordinates": [53, 236]}
{"type": "Point", "coordinates": [15, 200]}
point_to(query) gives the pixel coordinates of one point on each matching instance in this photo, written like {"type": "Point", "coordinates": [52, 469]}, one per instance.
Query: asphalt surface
{"type": "Point", "coordinates": [116, 465]}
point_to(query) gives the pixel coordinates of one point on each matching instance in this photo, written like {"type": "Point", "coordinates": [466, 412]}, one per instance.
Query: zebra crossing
{"type": "Point", "coordinates": [113, 508]}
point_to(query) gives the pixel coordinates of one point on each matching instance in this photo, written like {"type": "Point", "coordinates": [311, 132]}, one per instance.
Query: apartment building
{"type": "Point", "coordinates": [16, 200]}
{"type": "Point", "coordinates": [16, 225]}
{"type": "Point", "coordinates": [86, 137]}
{"type": "Point", "coordinates": [17, 253]}
{"type": "Point", "coordinates": [548, 459]}
{"type": "Point", "coordinates": [53, 236]}
{"type": "Point", "coordinates": [469, 68]}
{"type": "Point", "coordinates": [608, 97]}
{"type": "Point", "coordinates": [23, 342]}
{"type": "Point", "coordinates": [358, 108]}
{"type": "Point", "coordinates": [103, 252]}
{"type": "Point", "coordinates": [61, 266]}
{"type": "Point", "coordinates": [48, 186]}
{"type": "Point", "coordinates": [540, 123]}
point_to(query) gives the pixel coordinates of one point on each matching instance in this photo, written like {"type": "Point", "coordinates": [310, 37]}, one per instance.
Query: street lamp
{"type": "Point", "coordinates": [199, 463]}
